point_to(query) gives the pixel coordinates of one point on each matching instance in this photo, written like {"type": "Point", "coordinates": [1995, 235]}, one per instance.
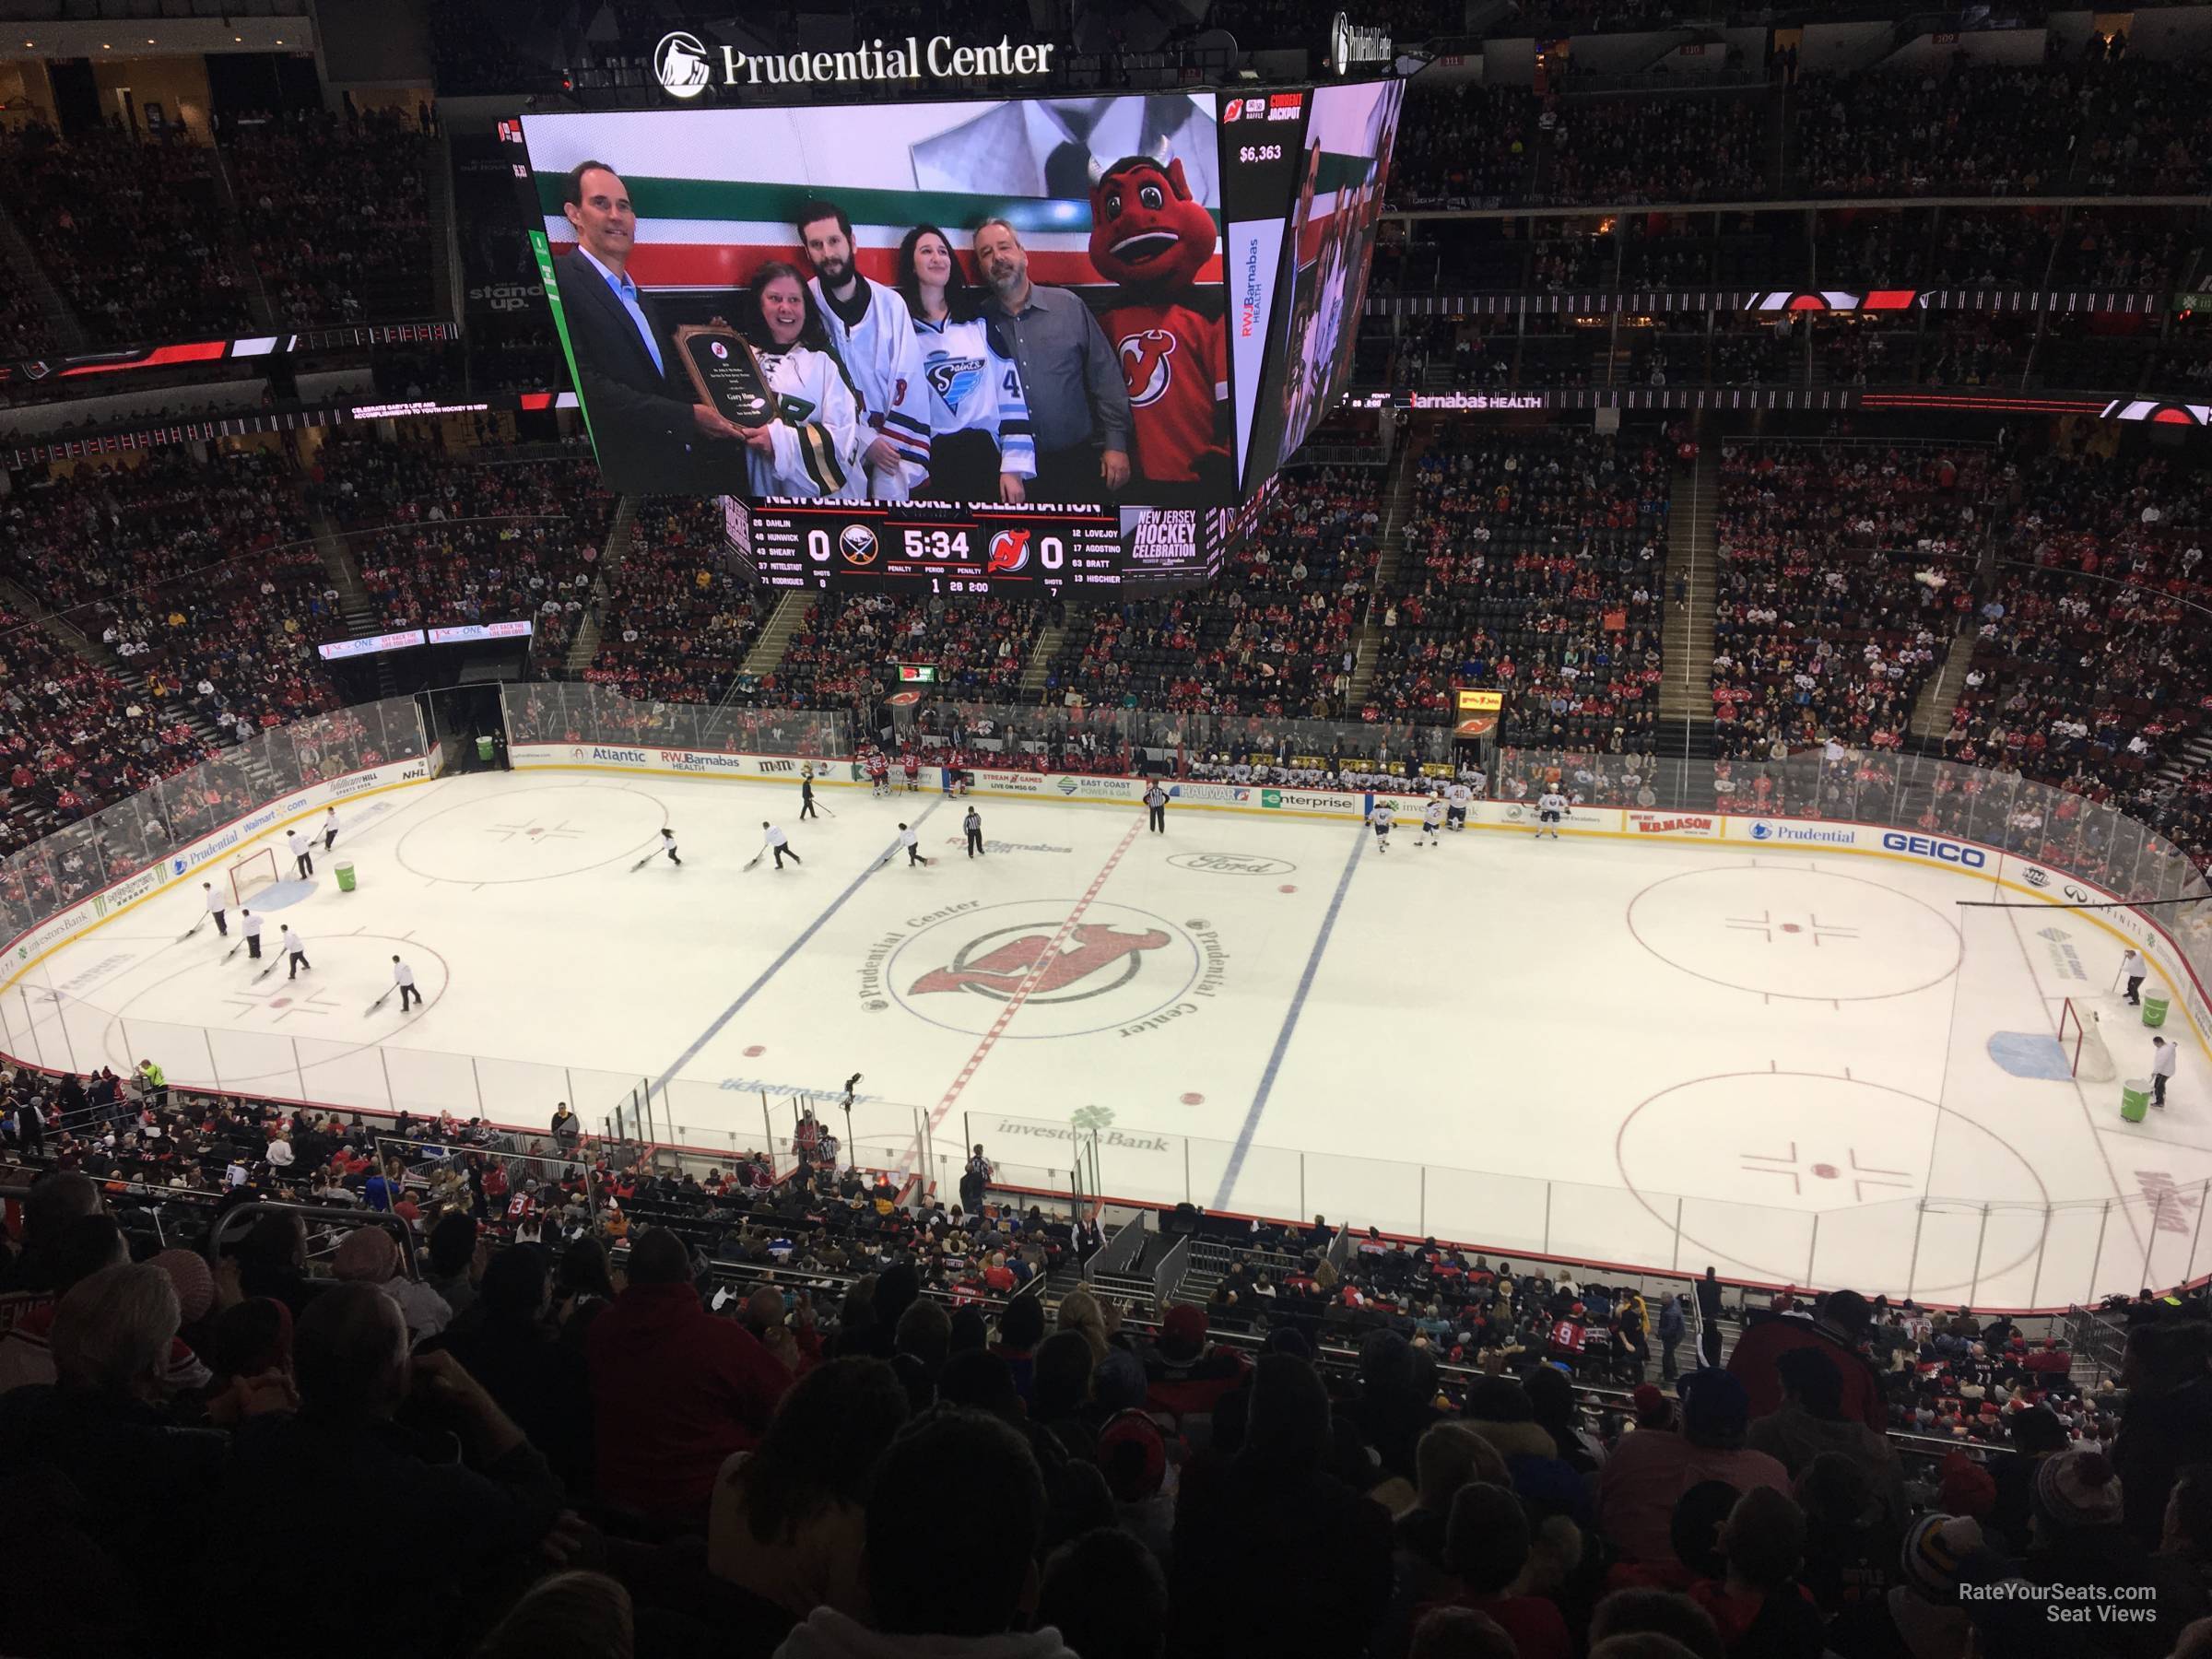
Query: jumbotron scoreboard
{"type": "Point", "coordinates": [1220, 238]}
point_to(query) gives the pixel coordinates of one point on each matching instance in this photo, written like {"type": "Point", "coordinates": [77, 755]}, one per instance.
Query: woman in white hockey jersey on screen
{"type": "Point", "coordinates": [980, 448]}
{"type": "Point", "coordinates": [812, 447]}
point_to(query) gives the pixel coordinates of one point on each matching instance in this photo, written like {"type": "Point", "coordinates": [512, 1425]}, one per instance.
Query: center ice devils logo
{"type": "Point", "coordinates": [1009, 552]}
{"type": "Point", "coordinates": [1147, 365]}
{"type": "Point", "coordinates": [1102, 958]}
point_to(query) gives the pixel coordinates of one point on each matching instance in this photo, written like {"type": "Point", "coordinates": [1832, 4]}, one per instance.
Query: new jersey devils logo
{"type": "Point", "coordinates": [1102, 960]}
{"type": "Point", "coordinates": [1009, 551]}
{"type": "Point", "coordinates": [1147, 365]}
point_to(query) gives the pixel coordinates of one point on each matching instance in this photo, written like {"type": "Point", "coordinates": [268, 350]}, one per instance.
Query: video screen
{"type": "Point", "coordinates": [999, 302]}
{"type": "Point", "coordinates": [1347, 163]}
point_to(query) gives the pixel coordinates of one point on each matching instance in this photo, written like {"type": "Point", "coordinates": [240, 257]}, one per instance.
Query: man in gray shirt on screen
{"type": "Point", "coordinates": [1078, 403]}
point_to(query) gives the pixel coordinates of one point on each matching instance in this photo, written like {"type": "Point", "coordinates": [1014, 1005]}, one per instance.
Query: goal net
{"type": "Point", "coordinates": [2081, 1042]}
{"type": "Point", "coordinates": [252, 872]}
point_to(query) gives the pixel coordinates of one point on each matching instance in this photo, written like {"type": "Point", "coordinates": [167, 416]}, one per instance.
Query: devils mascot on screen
{"type": "Point", "coordinates": [1151, 239]}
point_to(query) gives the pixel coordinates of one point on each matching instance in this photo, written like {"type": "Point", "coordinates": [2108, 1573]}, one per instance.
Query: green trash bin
{"type": "Point", "coordinates": [2134, 1099]}
{"type": "Point", "coordinates": [484, 750]}
{"type": "Point", "coordinates": [2154, 1007]}
{"type": "Point", "coordinates": [345, 877]}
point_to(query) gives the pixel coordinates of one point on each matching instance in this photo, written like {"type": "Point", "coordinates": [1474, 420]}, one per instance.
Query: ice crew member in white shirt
{"type": "Point", "coordinates": [330, 826]}
{"type": "Point", "coordinates": [302, 852]}
{"type": "Point", "coordinates": [403, 977]}
{"type": "Point", "coordinates": [1155, 807]}
{"type": "Point", "coordinates": [222, 925]}
{"type": "Point", "coordinates": [2130, 969]}
{"type": "Point", "coordinates": [295, 950]}
{"type": "Point", "coordinates": [1551, 806]}
{"type": "Point", "coordinates": [1383, 814]}
{"type": "Point", "coordinates": [668, 845]}
{"type": "Point", "coordinates": [1455, 809]}
{"type": "Point", "coordinates": [2164, 1055]}
{"type": "Point", "coordinates": [1432, 819]}
{"type": "Point", "coordinates": [779, 843]}
{"type": "Point", "coordinates": [250, 925]}
{"type": "Point", "coordinates": [973, 825]}
{"type": "Point", "coordinates": [911, 842]}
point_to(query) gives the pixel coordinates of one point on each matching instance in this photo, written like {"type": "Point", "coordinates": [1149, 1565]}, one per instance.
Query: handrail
{"type": "Point", "coordinates": [344, 1217]}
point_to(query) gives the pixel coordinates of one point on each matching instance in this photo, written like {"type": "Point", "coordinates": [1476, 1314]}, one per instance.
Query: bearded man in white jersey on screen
{"type": "Point", "coordinates": [874, 333]}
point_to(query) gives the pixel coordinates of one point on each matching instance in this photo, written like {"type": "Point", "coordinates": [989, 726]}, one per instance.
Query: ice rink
{"type": "Point", "coordinates": [1660, 1055]}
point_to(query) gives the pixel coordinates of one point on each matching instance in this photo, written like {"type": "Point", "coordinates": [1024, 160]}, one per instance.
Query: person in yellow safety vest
{"type": "Point", "coordinates": [154, 1083]}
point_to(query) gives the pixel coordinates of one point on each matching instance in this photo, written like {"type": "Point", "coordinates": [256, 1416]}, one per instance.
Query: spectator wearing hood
{"type": "Point", "coordinates": [674, 1389]}
{"type": "Point", "coordinates": [1647, 1472]}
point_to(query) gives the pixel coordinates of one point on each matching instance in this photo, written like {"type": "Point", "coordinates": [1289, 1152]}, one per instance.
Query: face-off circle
{"type": "Point", "coordinates": [1814, 1151]}
{"type": "Point", "coordinates": [1814, 936]}
{"type": "Point", "coordinates": [534, 833]}
{"type": "Point", "coordinates": [1115, 966]}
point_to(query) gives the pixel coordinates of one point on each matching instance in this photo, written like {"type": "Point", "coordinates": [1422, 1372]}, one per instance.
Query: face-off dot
{"type": "Point", "coordinates": [754, 1051]}
{"type": "Point", "coordinates": [1194, 1100]}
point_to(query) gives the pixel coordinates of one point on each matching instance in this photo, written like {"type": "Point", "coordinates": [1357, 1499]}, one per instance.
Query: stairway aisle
{"type": "Point", "coordinates": [1367, 644]}
{"type": "Point", "coordinates": [791, 614]}
{"type": "Point", "coordinates": [1692, 589]}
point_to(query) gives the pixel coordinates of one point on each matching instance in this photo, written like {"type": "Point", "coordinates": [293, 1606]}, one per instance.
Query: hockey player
{"type": "Point", "coordinates": [912, 768]}
{"type": "Point", "coordinates": [973, 825]}
{"type": "Point", "coordinates": [302, 852]}
{"type": "Point", "coordinates": [1381, 817]}
{"type": "Point", "coordinates": [1455, 806]}
{"type": "Point", "coordinates": [330, 826]}
{"type": "Point", "coordinates": [873, 332]}
{"type": "Point", "coordinates": [813, 446]}
{"type": "Point", "coordinates": [1551, 806]}
{"type": "Point", "coordinates": [879, 774]}
{"type": "Point", "coordinates": [668, 845]}
{"type": "Point", "coordinates": [779, 843]}
{"type": "Point", "coordinates": [913, 843]}
{"type": "Point", "coordinates": [215, 909]}
{"type": "Point", "coordinates": [1433, 821]}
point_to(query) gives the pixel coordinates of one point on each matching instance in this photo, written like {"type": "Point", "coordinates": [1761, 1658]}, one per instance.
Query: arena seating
{"type": "Point", "coordinates": [677, 623]}
{"type": "Point", "coordinates": [1535, 560]}
{"type": "Point", "coordinates": [1272, 638]}
{"type": "Point", "coordinates": [1826, 624]}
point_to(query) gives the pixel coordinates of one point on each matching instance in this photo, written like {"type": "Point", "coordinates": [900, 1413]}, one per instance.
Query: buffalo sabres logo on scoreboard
{"type": "Point", "coordinates": [857, 543]}
{"type": "Point", "coordinates": [1147, 365]}
{"type": "Point", "coordinates": [1009, 552]}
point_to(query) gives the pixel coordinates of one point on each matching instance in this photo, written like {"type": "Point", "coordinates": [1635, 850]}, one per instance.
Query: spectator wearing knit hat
{"type": "Point", "coordinates": [2077, 1551]}
{"type": "Point", "coordinates": [1921, 1615]}
{"type": "Point", "coordinates": [1185, 1378]}
{"type": "Point", "coordinates": [369, 1255]}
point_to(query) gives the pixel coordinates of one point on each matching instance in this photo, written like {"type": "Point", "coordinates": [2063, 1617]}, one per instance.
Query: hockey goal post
{"type": "Point", "coordinates": [250, 872]}
{"type": "Point", "coordinates": [2081, 1043]}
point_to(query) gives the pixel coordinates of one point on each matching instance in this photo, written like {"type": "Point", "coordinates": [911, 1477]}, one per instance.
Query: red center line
{"type": "Point", "coordinates": [1029, 981]}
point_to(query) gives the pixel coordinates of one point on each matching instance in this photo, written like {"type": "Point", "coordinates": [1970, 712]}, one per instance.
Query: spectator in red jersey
{"type": "Point", "coordinates": [675, 1389]}
{"type": "Point", "coordinates": [1183, 1377]}
{"type": "Point", "coordinates": [1649, 1472]}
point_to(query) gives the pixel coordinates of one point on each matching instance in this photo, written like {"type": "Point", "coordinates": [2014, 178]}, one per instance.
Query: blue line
{"type": "Point", "coordinates": [1282, 1040]}
{"type": "Point", "coordinates": [790, 950]}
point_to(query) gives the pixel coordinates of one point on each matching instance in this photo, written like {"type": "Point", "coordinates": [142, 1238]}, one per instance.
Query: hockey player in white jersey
{"type": "Point", "coordinates": [1455, 806]}
{"type": "Point", "coordinates": [873, 333]}
{"type": "Point", "coordinates": [1381, 817]}
{"type": "Point", "coordinates": [1433, 821]}
{"type": "Point", "coordinates": [813, 446]}
{"type": "Point", "coordinates": [1551, 806]}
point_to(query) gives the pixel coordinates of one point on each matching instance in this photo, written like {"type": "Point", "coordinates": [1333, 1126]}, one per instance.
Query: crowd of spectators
{"type": "Point", "coordinates": [580, 1405]}
{"type": "Point", "coordinates": [1701, 149]}
{"type": "Point", "coordinates": [677, 623]}
{"type": "Point", "coordinates": [841, 657]}
{"type": "Point", "coordinates": [444, 537]}
{"type": "Point", "coordinates": [336, 210]}
{"type": "Point", "coordinates": [2090, 662]}
{"type": "Point", "coordinates": [1843, 569]}
{"type": "Point", "coordinates": [129, 230]}
{"type": "Point", "coordinates": [1274, 636]}
{"type": "Point", "coordinates": [1536, 561]}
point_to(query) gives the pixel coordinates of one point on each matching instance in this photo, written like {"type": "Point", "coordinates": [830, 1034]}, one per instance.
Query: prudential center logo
{"type": "Point", "coordinates": [680, 63]}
